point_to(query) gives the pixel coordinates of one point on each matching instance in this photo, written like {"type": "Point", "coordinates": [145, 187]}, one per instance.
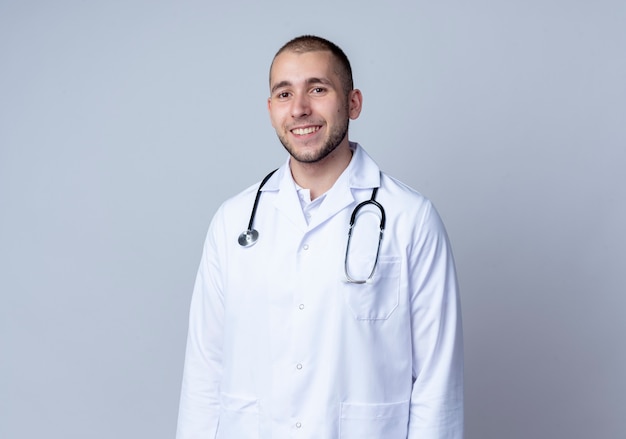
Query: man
{"type": "Point", "coordinates": [302, 335]}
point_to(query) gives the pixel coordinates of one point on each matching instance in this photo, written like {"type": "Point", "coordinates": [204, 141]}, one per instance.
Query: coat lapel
{"type": "Point", "coordinates": [286, 200]}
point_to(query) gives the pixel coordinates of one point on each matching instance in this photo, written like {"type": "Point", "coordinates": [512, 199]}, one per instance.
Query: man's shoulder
{"type": "Point", "coordinates": [245, 198]}
{"type": "Point", "coordinates": [235, 203]}
{"type": "Point", "coordinates": [400, 190]}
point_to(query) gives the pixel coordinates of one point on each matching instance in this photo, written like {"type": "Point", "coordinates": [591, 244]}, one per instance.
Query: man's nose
{"type": "Point", "coordinates": [301, 106]}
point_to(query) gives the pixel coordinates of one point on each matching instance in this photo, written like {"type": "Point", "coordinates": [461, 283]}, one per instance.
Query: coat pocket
{"type": "Point", "coordinates": [239, 417]}
{"type": "Point", "coordinates": [378, 298]}
{"type": "Point", "coordinates": [374, 421]}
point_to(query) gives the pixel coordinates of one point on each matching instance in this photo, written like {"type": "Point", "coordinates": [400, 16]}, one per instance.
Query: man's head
{"type": "Point", "coordinates": [312, 99]}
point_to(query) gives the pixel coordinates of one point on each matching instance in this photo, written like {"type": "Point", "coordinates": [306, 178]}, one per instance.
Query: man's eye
{"type": "Point", "coordinates": [319, 90]}
{"type": "Point", "coordinates": [282, 95]}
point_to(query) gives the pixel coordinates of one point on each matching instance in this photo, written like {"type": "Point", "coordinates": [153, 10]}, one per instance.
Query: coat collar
{"type": "Point", "coordinates": [362, 173]}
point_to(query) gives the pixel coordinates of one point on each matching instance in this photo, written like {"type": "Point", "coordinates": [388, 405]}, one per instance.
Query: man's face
{"type": "Point", "coordinates": [308, 107]}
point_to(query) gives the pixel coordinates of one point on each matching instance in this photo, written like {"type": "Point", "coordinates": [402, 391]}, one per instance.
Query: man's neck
{"type": "Point", "coordinates": [320, 176]}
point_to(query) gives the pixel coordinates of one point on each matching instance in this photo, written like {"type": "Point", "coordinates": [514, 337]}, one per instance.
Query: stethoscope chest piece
{"type": "Point", "coordinates": [248, 238]}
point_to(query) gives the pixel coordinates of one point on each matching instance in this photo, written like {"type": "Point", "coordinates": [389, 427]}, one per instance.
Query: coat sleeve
{"type": "Point", "coordinates": [436, 409]}
{"type": "Point", "coordinates": [198, 415]}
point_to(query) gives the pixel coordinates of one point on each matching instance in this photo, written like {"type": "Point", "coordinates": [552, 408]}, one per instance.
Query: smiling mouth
{"type": "Point", "coordinates": [305, 131]}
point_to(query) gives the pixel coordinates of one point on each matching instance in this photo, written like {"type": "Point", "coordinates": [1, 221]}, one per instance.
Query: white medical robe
{"type": "Point", "coordinates": [281, 346]}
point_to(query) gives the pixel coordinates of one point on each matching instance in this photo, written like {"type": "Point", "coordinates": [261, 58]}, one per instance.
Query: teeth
{"type": "Point", "coordinates": [303, 131]}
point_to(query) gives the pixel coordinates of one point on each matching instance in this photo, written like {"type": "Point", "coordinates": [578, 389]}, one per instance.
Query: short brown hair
{"type": "Point", "coordinates": [312, 43]}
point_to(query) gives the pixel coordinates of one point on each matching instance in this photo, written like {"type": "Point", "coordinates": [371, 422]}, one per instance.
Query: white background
{"type": "Point", "coordinates": [124, 124]}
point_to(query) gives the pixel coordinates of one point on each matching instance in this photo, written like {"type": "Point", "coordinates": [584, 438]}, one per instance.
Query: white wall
{"type": "Point", "coordinates": [123, 125]}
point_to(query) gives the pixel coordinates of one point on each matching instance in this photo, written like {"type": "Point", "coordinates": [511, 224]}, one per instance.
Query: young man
{"type": "Point", "coordinates": [311, 329]}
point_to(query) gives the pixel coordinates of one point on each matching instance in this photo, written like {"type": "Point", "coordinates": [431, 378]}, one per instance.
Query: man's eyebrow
{"type": "Point", "coordinates": [324, 81]}
{"type": "Point", "coordinates": [309, 81]}
{"type": "Point", "coordinates": [280, 84]}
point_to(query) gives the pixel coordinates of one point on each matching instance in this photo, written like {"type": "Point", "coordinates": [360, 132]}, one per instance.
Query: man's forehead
{"type": "Point", "coordinates": [317, 63]}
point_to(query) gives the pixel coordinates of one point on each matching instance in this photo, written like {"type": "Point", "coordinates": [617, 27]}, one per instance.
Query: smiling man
{"type": "Point", "coordinates": [347, 321]}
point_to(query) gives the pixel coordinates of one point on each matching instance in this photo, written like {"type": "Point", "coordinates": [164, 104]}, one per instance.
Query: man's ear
{"type": "Point", "coordinates": [355, 103]}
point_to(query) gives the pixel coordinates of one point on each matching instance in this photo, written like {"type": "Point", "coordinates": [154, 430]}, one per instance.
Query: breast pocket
{"type": "Point", "coordinates": [239, 418]}
{"type": "Point", "coordinates": [374, 421]}
{"type": "Point", "coordinates": [377, 298]}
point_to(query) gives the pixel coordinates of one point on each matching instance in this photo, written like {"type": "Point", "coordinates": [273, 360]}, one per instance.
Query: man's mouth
{"type": "Point", "coordinates": [305, 130]}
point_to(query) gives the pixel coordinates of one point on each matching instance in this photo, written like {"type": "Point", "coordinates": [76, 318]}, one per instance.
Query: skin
{"type": "Point", "coordinates": [310, 111]}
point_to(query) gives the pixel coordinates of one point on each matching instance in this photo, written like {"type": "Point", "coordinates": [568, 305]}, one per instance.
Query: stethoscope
{"type": "Point", "coordinates": [250, 236]}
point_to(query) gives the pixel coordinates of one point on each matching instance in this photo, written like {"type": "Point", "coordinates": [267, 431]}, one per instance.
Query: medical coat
{"type": "Point", "coordinates": [281, 346]}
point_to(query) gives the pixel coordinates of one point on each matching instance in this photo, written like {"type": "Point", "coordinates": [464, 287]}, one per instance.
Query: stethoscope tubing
{"type": "Point", "coordinates": [372, 201]}
{"type": "Point", "coordinates": [250, 236]}
{"type": "Point", "coordinates": [256, 198]}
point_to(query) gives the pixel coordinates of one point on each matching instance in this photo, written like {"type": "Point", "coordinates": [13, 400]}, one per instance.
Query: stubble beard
{"type": "Point", "coordinates": [334, 140]}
